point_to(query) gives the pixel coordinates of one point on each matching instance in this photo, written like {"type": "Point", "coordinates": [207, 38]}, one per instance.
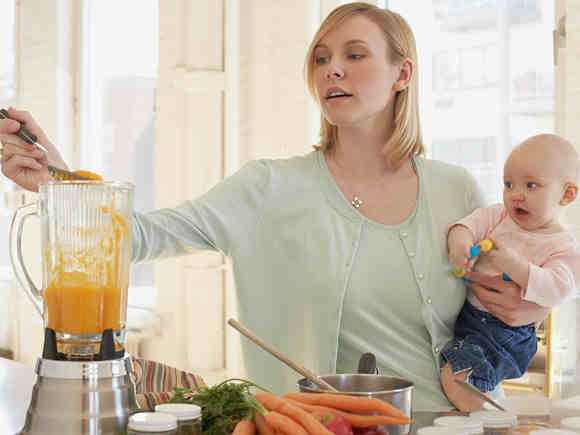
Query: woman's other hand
{"type": "Point", "coordinates": [24, 163]}
{"type": "Point", "coordinates": [503, 300]}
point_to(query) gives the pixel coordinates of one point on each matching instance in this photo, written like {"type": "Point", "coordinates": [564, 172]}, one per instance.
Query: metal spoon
{"type": "Point", "coordinates": [482, 396]}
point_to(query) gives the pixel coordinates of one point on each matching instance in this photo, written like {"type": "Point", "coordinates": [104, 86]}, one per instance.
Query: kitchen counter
{"type": "Point", "coordinates": [16, 382]}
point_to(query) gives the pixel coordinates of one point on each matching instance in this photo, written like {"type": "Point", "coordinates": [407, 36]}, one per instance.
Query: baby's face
{"type": "Point", "coordinates": [533, 188]}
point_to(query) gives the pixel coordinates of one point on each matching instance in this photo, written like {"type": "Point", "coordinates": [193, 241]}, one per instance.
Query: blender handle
{"type": "Point", "coordinates": [15, 248]}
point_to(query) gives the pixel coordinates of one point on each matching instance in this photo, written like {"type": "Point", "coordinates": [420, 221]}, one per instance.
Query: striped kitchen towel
{"type": "Point", "coordinates": [154, 382]}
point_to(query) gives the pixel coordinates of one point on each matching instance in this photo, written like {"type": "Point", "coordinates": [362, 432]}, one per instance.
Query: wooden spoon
{"type": "Point", "coordinates": [303, 371]}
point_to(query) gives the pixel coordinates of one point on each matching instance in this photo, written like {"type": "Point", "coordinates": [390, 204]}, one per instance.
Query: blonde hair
{"type": "Point", "coordinates": [406, 139]}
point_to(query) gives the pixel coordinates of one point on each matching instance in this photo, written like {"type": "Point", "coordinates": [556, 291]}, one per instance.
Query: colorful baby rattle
{"type": "Point", "coordinates": [485, 246]}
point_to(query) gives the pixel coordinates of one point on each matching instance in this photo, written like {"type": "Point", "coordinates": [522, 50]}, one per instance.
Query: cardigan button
{"type": "Point", "coordinates": [411, 254]}
{"type": "Point", "coordinates": [429, 301]}
{"type": "Point", "coordinates": [404, 235]}
{"type": "Point", "coordinates": [420, 276]}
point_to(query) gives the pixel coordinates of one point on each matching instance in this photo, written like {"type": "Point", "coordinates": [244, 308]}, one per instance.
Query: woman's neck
{"type": "Point", "coordinates": [359, 153]}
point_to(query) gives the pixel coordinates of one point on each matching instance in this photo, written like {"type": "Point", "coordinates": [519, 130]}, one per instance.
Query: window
{"type": "Point", "coordinates": [119, 78]}
{"type": "Point", "coordinates": [486, 79]}
{"type": "Point", "coordinates": [465, 68]}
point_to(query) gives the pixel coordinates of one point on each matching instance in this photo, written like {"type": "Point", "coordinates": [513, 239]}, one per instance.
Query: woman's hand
{"type": "Point", "coordinates": [24, 163]}
{"type": "Point", "coordinates": [503, 300]}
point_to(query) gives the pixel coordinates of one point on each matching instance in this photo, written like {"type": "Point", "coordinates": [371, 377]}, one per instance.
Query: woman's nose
{"type": "Point", "coordinates": [334, 71]}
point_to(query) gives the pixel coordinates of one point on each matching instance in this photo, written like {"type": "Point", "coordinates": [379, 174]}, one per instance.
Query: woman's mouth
{"type": "Point", "coordinates": [336, 94]}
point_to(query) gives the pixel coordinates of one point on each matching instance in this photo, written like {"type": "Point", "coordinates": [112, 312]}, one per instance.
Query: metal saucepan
{"type": "Point", "coordinates": [396, 391]}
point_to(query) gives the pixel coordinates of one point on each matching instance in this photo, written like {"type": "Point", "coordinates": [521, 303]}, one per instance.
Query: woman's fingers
{"type": "Point", "coordinates": [22, 162]}
{"type": "Point", "coordinates": [26, 168]}
{"type": "Point", "coordinates": [503, 299]}
{"type": "Point", "coordinates": [495, 282]}
{"type": "Point", "coordinates": [9, 150]}
{"type": "Point", "coordinates": [25, 118]}
{"type": "Point", "coordinates": [9, 126]}
{"type": "Point", "coordinates": [18, 162]}
{"type": "Point", "coordinates": [524, 314]}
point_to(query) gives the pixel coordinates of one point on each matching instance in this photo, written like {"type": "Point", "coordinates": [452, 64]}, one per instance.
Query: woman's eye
{"type": "Point", "coordinates": [532, 185]}
{"type": "Point", "coordinates": [507, 184]}
{"type": "Point", "coordinates": [321, 59]}
{"type": "Point", "coordinates": [355, 56]}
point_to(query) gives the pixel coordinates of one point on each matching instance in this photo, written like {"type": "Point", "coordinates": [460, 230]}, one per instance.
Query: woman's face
{"type": "Point", "coordinates": [353, 75]}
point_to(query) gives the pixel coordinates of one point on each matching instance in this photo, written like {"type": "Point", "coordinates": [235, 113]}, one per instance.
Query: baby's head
{"type": "Point", "coordinates": [540, 179]}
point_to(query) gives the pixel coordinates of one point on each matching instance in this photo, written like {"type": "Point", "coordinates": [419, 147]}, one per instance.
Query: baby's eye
{"type": "Point", "coordinates": [507, 184]}
{"type": "Point", "coordinates": [532, 185]}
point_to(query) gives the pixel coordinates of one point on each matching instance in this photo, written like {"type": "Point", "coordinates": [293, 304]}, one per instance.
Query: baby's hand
{"type": "Point", "coordinates": [459, 241]}
{"type": "Point", "coordinates": [459, 256]}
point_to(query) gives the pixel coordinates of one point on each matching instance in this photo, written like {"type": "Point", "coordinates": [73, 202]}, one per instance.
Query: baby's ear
{"type": "Point", "coordinates": [570, 193]}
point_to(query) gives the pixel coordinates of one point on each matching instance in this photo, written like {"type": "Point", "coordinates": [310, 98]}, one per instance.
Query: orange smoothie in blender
{"type": "Point", "coordinates": [75, 305]}
{"type": "Point", "coordinates": [88, 301]}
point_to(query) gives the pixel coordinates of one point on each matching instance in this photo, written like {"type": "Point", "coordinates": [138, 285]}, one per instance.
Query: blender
{"type": "Point", "coordinates": [84, 382]}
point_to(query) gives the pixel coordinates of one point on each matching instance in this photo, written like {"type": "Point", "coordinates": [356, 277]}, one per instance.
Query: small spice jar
{"type": "Point", "coordinates": [496, 422]}
{"type": "Point", "coordinates": [440, 430]}
{"type": "Point", "coordinates": [152, 423]}
{"type": "Point", "coordinates": [473, 426]}
{"type": "Point", "coordinates": [571, 423]}
{"type": "Point", "coordinates": [188, 417]}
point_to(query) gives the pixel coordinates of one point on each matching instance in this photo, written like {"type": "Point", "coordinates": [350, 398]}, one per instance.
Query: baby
{"type": "Point", "coordinates": [531, 247]}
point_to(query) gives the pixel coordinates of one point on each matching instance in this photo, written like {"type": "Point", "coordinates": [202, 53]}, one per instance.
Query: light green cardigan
{"type": "Point", "coordinates": [293, 237]}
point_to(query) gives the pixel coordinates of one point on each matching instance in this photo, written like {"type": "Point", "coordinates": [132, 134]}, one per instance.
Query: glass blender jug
{"type": "Point", "coordinates": [86, 254]}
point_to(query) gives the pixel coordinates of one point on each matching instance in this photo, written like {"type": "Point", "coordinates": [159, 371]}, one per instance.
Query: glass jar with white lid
{"type": "Point", "coordinates": [496, 422]}
{"type": "Point", "coordinates": [440, 430]}
{"type": "Point", "coordinates": [152, 423]}
{"type": "Point", "coordinates": [473, 426]}
{"type": "Point", "coordinates": [188, 416]}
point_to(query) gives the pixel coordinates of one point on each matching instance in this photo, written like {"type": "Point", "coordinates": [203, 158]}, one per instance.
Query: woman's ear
{"type": "Point", "coordinates": [570, 193]}
{"type": "Point", "coordinates": [406, 72]}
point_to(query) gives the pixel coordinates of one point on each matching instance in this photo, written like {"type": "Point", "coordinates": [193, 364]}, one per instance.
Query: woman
{"type": "Point", "coordinates": [341, 251]}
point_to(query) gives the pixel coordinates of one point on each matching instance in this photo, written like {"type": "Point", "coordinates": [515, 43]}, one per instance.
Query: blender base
{"type": "Point", "coordinates": [81, 397]}
{"type": "Point", "coordinates": [101, 349]}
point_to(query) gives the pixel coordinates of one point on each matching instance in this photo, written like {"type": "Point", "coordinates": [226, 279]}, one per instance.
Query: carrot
{"type": "Point", "coordinates": [355, 420]}
{"type": "Point", "coordinates": [262, 426]}
{"type": "Point", "coordinates": [274, 403]}
{"type": "Point", "coordinates": [347, 403]}
{"type": "Point", "coordinates": [284, 424]}
{"type": "Point", "coordinates": [244, 427]}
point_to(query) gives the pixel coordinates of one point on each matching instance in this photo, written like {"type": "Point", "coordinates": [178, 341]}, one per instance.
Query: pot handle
{"type": "Point", "coordinates": [367, 364]}
{"type": "Point", "coordinates": [15, 247]}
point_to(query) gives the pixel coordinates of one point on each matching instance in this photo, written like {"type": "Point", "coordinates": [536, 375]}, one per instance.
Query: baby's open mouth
{"type": "Point", "coordinates": [521, 212]}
